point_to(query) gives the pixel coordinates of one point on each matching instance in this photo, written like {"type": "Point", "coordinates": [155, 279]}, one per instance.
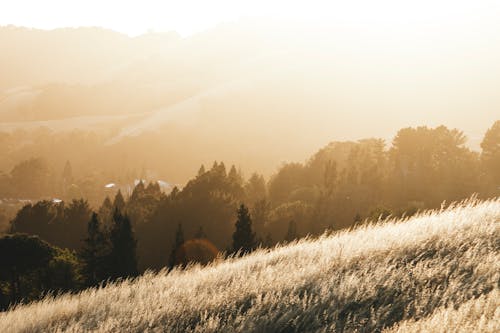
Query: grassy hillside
{"type": "Point", "coordinates": [439, 271]}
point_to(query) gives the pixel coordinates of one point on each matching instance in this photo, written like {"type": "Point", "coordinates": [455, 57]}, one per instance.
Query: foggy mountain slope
{"type": "Point", "coordinates": [367, 279]}
{"type": "Point", "coordinates": [32, 57]}
{"type": "Point", "coordinates": [88, 123]}
{"type": "Point", "coordinates": [249, 93]}
{"type": "Point", "coordinates": [314, 75]}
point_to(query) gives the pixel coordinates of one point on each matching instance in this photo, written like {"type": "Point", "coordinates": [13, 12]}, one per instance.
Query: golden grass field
{"type": "Point", "coordinates": [438, 271]}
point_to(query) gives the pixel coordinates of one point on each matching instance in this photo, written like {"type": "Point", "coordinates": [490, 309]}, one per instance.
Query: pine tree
{"type": "Point", "coordinates": [201, 171]}
{"type": "Point", "coordinates": [235, 177]}
{"type": "Point", "coordinates": [138, 192]}
{"type": "Point", "coordinates": [119, 202]}
{"type": "Point", "coordinates": [221, 170]}
{"type": "Point", "coordinates": [93, 253]}
{"type": "Point", "coordinates": [175, 192]}
{"type": "Point", "coordinates": [175, 254]}
{"type": "Point", "coordinates": [106, 211]}
{"type": "Point", "coordinates": [122, 257]}
{"type": "Point", "coordinates": [243, 237]}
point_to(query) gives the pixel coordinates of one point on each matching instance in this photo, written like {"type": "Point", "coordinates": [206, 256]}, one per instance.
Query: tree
{"type": "Point", "coordinates": [432, 165]}
{"type": "Point", "coordinates": [291, 233]}
{"type": "Point", "coordinates": [93, 253]}
{"type": "Point", "coordinates": [31, 267]}
{"type": "Point", "coordinates": [490, 155]}
{"type": "Point", "coordinates": [31, 178]}
{"type": "Point", "coordinates": [71, 232]}
{"type": "Point", "coordinates": [235, 176]}
{"type": "Point", "coordinates": [57, 223]}
{"type": "Point", "coordinates": [255, 189]}
{"type": "Point", "coordinates": [200, 251]}
{"type": "Point", "coordinates": [122, 258]}
{"type": "Point", "coordinates": [289, 178]}
{"type": "Point", "coordinates": [106, 212]}
{"type": "Point", "coordinates": [260, 216]}
{"type": "Point", "coordinates": [138, 192]}
{"type": "Point", "coordinates": [62, 273]}
{"type": "Point", "coordinates": [201, 171]}
{"type": "Point", "coordinates": [119, 202]}
{"type": "Point", "coordinates": [19, 255]}
{"type": "Point", "coordinates": [243, 237]}
{"type": "Point", "coordinates": [175, 255]}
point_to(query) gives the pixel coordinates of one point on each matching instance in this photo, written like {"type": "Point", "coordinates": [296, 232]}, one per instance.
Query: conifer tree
{"type": "Point", "coordinates": [106, 212]}
{"type": "Point", "coordinates": [93, 253]}
{"type": "Point", "coordinates": [175, 192]}
{"type": "Point", "coordinates": [138, 192]}
{"type": "Point", "coordinates": [201, 171]}
{"type": "Point", "coordinates": [235, 176]}
{"type": "Point", "coordinates": [119, 202]}
{"type": "Point", "coordinates": [243, 237]}
{"type": "Point", "coordinates": [122, 257]}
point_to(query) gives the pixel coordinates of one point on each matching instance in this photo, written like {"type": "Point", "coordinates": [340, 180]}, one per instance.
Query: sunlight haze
{"type": "Point", "coordinates": [191, 16]}
{"type": "Point", "coordinates": [251, 166]}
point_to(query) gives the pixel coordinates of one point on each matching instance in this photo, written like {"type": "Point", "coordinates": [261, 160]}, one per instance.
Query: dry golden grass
{"type": "Point", "coordinates": [438, 271]}
{"type": "Point", "coordinates": [477, 315]}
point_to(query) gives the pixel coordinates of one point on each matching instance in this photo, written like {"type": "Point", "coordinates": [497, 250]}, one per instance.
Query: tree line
{"type": "Point", "coordinates": [343, 184]}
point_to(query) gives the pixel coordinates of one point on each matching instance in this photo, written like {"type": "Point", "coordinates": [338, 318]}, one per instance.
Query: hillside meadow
{"type": "Point", "coordinates": [438, 271]}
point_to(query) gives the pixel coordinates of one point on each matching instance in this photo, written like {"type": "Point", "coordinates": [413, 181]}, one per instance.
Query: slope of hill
{"type": "Point", "coordinates": [438, 271]}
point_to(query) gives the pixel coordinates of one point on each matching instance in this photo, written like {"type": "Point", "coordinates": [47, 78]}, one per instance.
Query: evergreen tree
{"type": "Point", "coordinates": [93, 253]}
{"type": "Point", "coordinates": [106, 212]}
{"type": "Point", "coordinates": [122, 257]}
{"type": "Point", "coordinates": [255, 189]}
{"type": "Point", "coordinates": [243, 237]}
{"type": "Point", "coordinates": [490, 155]}
{"type": "Point", "coordinates": [175, 192]}
{"type": "Point", "coordinates": [138, 192]}
{"type": "Point", "coordinates": [153, 190]}
{"type": "Point", "coordinates": [201, 171]}
{"type": "Point", "coordinates": [235, 176]}
{"type": "Point", "coordinates": [175, 254]}
{"type": "Point", "coordinates": [235, 183]}
{"type": "Point", "coordinates": [291, 234]}
{"type": "Point", "coordinates": [119, 202]}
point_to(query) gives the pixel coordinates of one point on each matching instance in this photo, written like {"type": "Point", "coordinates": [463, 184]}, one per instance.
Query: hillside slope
{"type": "Point", "coordinates": [437, 269]}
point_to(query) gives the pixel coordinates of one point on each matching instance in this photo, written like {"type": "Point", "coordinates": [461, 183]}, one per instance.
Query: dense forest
{"type": "Point", "coordinates": [68, 241]}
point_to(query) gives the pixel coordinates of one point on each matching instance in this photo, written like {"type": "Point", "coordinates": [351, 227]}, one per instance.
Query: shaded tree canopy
{"type": "Point", "coordinates": [491, 153]}
{"type": "Point", "coordinates": [243, 237]}
{"type": "Point", "coordinates": [94, 253]}
{"type": "Point", "coordinates": [20, 254]}
{"type": "Point", "coordinates": [200, 251]}
{"type": "Point", "coordinates": [122, 260]}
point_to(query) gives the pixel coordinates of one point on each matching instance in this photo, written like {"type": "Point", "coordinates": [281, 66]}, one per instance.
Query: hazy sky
{"type": "Point", "coordinates": [191, 16]}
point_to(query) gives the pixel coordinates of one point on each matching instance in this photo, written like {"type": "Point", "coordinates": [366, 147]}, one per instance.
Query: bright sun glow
{"type": "Point", "coordinates": [191, 16]}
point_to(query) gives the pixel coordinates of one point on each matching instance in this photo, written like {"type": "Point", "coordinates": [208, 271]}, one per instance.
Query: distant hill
{"type": "Point", "coordinates": [250, 92]}
{"type": "Point", "coordinates": [436, 272]}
